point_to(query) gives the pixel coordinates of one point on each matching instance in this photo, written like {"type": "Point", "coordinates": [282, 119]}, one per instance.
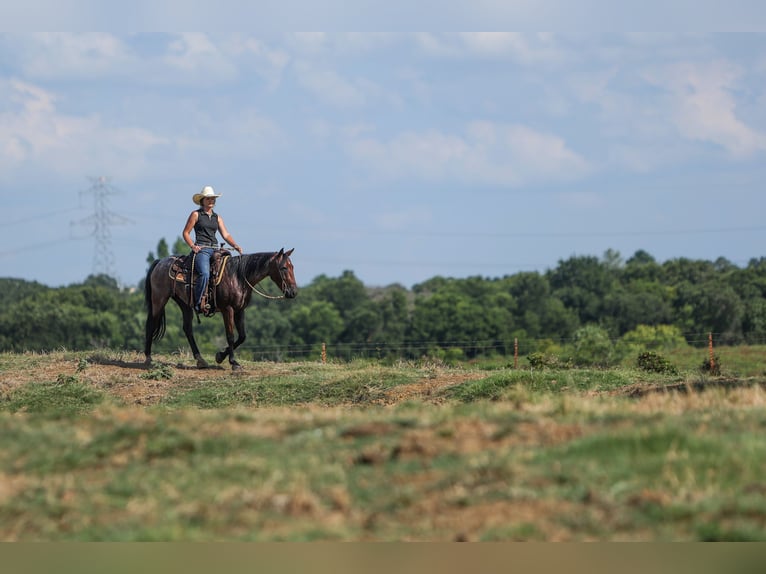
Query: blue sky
{"type": "Point", "coordinates": [399, 156]}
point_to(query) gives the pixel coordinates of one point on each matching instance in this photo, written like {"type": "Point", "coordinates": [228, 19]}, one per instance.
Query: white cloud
{"type": "Point", "coordinates": [34, 132]}
{"type": "Point", "coordinates": [269, 62]}
{"type": "Point", "coordinates": [523, 48]}
{"type": "Point", "coordinates": [703, 107]}
{"type": "Point", "coordinates": [251, 133]}
{"type": "Point", "coordinates": [65, 55]}
{"type": "Point", "coordinates": [330, 87]}
{"type": "Point", "coordinates": [196, 53]}
{"type": "Point", "coordinates": [178, 59]}
{"type": "Point", "coordinates": [486, 153]}
{"type": "Point", "coordinates": [308, 42]}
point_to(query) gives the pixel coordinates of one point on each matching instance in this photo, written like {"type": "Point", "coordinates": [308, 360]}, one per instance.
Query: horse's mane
{"type": "Point", "coordinates": [250, 262]}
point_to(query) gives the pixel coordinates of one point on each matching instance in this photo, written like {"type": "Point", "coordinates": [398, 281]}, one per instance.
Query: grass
{"type": "Point", "coordinates": [364, 452]}
{"type": "Point", "coordinates": [739, 361]}
{"type": "Point", "coordinates": [66, 396]}
{"type": "Point", "coordinates": [321, 385]}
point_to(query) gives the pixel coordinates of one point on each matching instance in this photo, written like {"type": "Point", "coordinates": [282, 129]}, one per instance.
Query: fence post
{"type": "Point", "coordinates": [515, 352]}
{"type": "Point", "coordinates": [710, 345]}
{"type": "Point", "coordinates": [324, 353]}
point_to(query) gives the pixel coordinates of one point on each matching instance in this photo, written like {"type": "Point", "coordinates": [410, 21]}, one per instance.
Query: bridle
{"type": "Point", "coordinates": [265, 295]}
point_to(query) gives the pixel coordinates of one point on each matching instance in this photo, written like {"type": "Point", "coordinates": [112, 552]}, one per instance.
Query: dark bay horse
{"type": "Point", "coordinates": [232, 298]}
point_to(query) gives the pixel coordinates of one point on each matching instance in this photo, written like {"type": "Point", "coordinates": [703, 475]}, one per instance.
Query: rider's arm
{"type": "Point", "coordinates": [187, 231]}
{"type": "Point", "coordinates": [225, 234]}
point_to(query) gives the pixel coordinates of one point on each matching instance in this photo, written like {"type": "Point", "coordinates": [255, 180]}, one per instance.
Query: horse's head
{"type": "Point", "coordinates": [281, 273]}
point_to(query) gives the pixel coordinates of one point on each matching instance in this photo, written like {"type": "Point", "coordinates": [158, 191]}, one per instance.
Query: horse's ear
{"type": "Point", "coordinates": [290, 252]}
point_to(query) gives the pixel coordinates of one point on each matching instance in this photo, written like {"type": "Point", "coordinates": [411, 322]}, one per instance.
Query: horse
{"type": "Point", "coordinates": [232, 296]}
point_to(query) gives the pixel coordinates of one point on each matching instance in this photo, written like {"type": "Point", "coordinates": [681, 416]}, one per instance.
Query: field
{"type": "Point", "coordinates": [98, 447]}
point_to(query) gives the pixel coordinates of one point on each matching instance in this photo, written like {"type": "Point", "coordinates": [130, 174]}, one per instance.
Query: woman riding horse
{"type": "Point", "coordinates": [232, 297]}
{"type": "Point", "coordinates": [206, 223]}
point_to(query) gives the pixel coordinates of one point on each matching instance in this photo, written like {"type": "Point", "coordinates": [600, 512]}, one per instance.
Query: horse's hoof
{"type": "Point", "coordinates": [236, 367]}
{"type": "Point", "coordinates": [220, 356]}
{"type": "Point", "coordinates": [202, 363]}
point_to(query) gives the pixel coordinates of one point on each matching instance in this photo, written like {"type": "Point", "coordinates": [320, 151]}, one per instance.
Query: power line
{"type": "Point", "coordinates": [32, 247]}
{"type": "Point", "coordinates": [345, 233]}
{"type": "Point", "coordinates": [41, 216]}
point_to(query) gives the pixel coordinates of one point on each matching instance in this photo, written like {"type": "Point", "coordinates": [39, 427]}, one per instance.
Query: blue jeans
{"type": "Point", "coordinates": [202, 269]}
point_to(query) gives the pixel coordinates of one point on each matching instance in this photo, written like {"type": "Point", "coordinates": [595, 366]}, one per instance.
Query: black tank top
{"type": "Point", "coordinates": [206, 228]}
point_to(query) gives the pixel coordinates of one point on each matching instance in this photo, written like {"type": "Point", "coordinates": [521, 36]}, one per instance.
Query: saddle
{"type": "Point", "coordinates": [181, 272]}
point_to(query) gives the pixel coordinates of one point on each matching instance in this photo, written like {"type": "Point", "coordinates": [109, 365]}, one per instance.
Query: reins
{"type": "Point", "coordinates": [264, 295]}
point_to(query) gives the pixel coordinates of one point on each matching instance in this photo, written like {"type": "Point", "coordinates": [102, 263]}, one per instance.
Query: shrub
{"type": "Point", "coordinates": [655, 337]}
{"type": "Point", "coordinates": [159, 373]}
{"type": "Point", "coordinates": [542, 360]}
{"type": "Point", "coordinates": [655, 363]}
{"type": "Point", "coordinates": [592, 346]}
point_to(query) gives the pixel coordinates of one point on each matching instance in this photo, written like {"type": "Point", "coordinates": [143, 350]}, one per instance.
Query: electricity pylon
{"type": "Point", "coordinates": [100, 221]}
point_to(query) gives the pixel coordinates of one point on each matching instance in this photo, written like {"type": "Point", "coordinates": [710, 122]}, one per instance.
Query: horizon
{"type": "Point", "coordinates": [622, 257]}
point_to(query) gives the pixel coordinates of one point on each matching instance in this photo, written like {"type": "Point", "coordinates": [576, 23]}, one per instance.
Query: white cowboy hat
{"type": "Point", "coordinates": [207, 191]}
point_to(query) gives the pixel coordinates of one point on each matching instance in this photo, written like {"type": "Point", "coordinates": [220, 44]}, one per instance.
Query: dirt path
{"type": "Point", "coordinates": [130, 379]}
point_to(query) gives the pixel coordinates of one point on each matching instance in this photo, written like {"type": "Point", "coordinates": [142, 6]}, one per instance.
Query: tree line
{"type": "Point", "coordinates": [584, 300]}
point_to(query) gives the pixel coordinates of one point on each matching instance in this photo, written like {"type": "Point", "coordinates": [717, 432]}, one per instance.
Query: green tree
{"type": "Point", "coordinates": [593, 347]}
{"type": "Point", "coordinates": [642, 267]}
{"type": "Point", "coordinates": [750, 285]}
{"type": "Point", "coordinates": [537, 313]}
{"type": "Point", "coordinates": [315, 323]}
{"type": "Point", "coordinates": [393, 310]}
{"type": "Point", "coordinates": [638, 302]}
{"type": "Point", "coordinates": [269, 329]}
{"type": "Point", "coordinates": [348, 295]}
{"type": "Point", "coordinates": [162, 252]}
{"type": "Point", "coordinates": [650, 338]}
{"type": "Point", "coordinates": [180, 247]}
{"type": "Point", "coordinates": [450, 318]}
{"type": "Point", "coordinates": [710, 306]}
{"type": "Point", "coordinates": [582, 284]}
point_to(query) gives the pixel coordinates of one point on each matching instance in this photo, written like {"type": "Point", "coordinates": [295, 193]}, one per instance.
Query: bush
{"type": "Point", "coordinates": [593, 347]}
{"type": "Point", "coordinates": [159, 373]}
{"type": "Point", "coordinates": [653, 362]}
{"type": "Point", "coordinates": [655, 337]}
{"type": "Point", "coordinates": [541, 361]}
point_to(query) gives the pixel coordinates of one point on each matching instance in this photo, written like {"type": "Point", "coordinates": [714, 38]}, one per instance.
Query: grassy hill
{"type": "Point", "coordinates": [98, 447]}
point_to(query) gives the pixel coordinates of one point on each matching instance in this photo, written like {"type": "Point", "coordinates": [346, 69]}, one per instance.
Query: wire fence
{"type": "Point", "coordinates": [513, 349]}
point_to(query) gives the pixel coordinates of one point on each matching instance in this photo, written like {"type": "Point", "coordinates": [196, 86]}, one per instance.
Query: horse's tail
{"type": "Point", "coordinates": [158, 325]}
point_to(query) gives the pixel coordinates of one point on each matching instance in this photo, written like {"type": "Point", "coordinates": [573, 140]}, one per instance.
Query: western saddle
{"type": "Point", "coordinates": [182, 271]}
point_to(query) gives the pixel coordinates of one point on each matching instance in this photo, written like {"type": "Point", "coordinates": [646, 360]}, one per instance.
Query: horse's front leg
{"type": "Point", "coordinates": [188, 318]}
{"type": "Point", "coordinates": [232, 320]}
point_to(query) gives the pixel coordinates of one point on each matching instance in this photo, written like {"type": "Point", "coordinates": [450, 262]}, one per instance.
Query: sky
{"type": "Point", "coordinates": [398, 156]}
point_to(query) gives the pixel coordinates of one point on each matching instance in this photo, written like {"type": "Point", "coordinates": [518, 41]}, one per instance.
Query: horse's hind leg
{"type": "Point", "coordinates": [150, 322]}
{"type": "Point", "coordinates": [188, 318]}
{"type": "Point", "coordinates": [155, 317]}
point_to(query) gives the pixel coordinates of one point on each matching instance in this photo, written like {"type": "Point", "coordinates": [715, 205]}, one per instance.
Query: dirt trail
{"type": "Point", "coordinates": [129, 380]}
